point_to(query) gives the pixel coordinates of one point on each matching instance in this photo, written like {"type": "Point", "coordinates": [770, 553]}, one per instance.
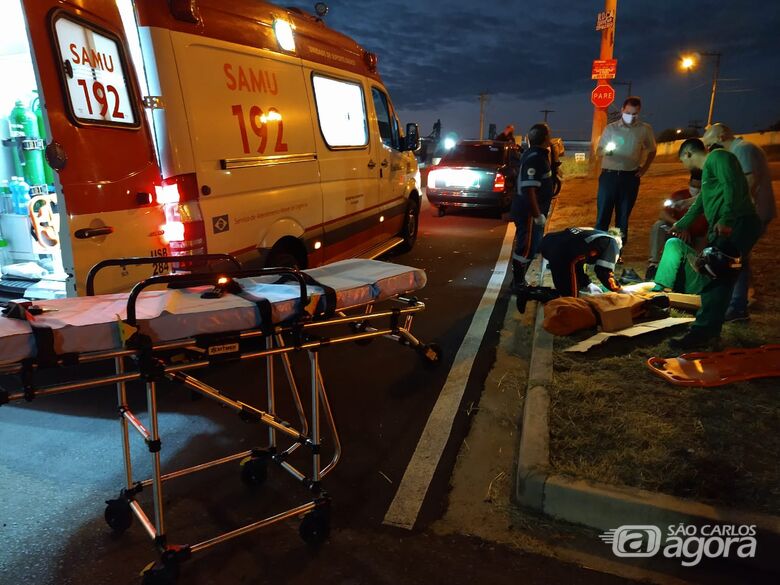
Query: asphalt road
{"type": "Point", "coordinates": [61, 458]}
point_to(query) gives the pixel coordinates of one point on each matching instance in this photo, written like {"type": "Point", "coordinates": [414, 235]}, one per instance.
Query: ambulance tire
{"type": "Point", "coordinates": [410, 226]}
{"type": "Point", "coordinates": [283, 257]}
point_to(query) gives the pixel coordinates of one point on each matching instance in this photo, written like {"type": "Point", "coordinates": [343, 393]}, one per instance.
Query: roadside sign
{"type": "Point", "coordinates": [604, 69]}
{"type": "Point", "coordinates": [579, 157]}
{"type": "Point", "coordinates": [605, 20]}
{"type": "Point", "coordinates": [602, 95]}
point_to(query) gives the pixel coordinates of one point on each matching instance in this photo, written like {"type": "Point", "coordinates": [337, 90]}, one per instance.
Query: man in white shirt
{"type": "Point", "coordinates": [627, 148]}
{"type": "Point", "coordinates": [755, 166]}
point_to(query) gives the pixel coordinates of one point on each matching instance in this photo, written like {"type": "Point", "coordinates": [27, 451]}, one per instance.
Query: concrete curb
{"type": "Point", "coordinates": [604, 506]}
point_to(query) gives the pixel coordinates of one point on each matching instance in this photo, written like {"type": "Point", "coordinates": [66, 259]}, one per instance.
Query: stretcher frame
{"type": "Point", "coordinates": [152, 363]}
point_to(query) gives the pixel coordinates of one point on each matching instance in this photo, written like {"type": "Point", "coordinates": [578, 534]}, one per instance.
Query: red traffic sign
{"type": "Point", "coordinates": [604, 69]}
{"type": "Point", "coordinates": [602, 96]}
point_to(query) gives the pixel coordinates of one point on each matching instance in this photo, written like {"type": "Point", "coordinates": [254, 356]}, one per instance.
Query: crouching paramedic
{"type": "Point", "coordinates": [733, 225]}
{"type": "Point", "coordinates": [569, 250]}
{"type": "Point", "coordinates": [531, 204]}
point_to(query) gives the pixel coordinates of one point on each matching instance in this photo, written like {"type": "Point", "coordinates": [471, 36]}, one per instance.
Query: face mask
{"type": "Point", "coordinates": [714, 146]}
{"type": "Point", "coordinates": [629, 118]}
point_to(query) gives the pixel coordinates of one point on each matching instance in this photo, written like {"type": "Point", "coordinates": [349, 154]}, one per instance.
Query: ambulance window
{"type": "Point", "coordinates": [341, 112]}
{"type": "Point", "coordinates": [388, 127]}
{"type": "Point", "coordinates": [94, 74]}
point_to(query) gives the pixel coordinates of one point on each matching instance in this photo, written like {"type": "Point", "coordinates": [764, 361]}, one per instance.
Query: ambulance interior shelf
{"type": "Point", "coordinates": [30, 256]}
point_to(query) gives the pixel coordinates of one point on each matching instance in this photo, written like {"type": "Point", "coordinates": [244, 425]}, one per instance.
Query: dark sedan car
{"type": "Point", "coordinates": [476, 174]}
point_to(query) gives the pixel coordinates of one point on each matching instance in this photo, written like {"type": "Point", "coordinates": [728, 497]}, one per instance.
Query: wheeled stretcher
{"type": "Point", "coordinates": [199, 320]}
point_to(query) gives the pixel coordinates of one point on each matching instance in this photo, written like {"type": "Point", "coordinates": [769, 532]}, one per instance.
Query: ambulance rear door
{"type": "Point", "coordinates": [100, 144]}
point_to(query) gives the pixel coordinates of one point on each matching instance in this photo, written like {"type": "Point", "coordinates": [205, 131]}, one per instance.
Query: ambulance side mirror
{"type": "Point", "coordinates": [412, 137]}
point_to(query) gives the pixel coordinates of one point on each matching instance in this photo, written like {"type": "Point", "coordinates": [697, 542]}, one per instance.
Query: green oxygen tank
{"type": "Point", "coordinates": [22, 119]}
{"type": "Point", "coordinates": [16, 132]}
{"type": "Point", "coordinates": [48, 172]}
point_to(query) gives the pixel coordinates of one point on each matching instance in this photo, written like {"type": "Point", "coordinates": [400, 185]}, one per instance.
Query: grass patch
{"type": "Point", "coordinates": [572, 168]}
{"type": "Point", "coordinates": [613, 421]}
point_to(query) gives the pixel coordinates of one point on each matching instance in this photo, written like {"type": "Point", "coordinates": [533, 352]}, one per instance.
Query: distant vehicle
{"type": "Point", "coordinates": [475, 174]}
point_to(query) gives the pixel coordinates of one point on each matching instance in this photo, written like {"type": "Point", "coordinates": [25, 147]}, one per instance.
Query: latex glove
{"type": "Point", "coordinates": [594, 289]}
{"type": "Point", "coordinates": [540, 219]}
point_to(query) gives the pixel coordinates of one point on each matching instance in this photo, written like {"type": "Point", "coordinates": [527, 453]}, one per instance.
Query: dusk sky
{"type": "Point", "coordinates": [436, 57]}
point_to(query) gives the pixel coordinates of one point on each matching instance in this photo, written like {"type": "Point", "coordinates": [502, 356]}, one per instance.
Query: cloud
{"type": "Point", "coordinates": [436, 53]}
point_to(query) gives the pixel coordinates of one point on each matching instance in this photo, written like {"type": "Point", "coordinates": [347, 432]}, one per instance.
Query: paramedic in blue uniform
{"type": "Point", "coordinates": [567, 252]}
{"type": "Point", "coordinates": [628, 149]}
{"type": "Point", "coordinates": [531, 204]}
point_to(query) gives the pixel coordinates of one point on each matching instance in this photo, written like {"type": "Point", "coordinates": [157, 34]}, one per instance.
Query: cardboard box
{"type": "Point", "coordinates": [615, 319]}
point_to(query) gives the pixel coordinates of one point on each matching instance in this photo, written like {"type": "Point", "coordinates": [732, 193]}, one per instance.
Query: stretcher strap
{"type": "Point", "coordinates": [328, 292]}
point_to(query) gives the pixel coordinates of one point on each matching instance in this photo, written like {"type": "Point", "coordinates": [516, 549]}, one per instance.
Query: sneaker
{"type": "Point", "coordinates": [735, 315]}
{"type": "Point", "coordinates": [630, 276]}
{"type": "Point", "coordinates": [650, 272]}
{"type": "Point", "coordinates": [694, 339]}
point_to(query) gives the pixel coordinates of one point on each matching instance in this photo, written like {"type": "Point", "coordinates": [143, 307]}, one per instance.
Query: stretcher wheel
{"type": "Point", "coordinates": [118, 514]}
{"type": "Point", "coordinates": [160, 573]}
{"type": "Point", "coordinates": [254, 469]}
{"type": "Point", "coordinates": [442, 210]}
{"type": "Point", "coordinates": [430, 353]}
{"type": "Point", "coordinates": [315, 526]}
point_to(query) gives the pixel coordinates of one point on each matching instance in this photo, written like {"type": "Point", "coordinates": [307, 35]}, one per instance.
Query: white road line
{"type": "Point", "coordinates": [408, 499]}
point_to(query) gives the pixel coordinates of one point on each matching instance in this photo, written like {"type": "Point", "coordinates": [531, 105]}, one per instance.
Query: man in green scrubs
{"type": "Point", "coordinates": [733, 224]}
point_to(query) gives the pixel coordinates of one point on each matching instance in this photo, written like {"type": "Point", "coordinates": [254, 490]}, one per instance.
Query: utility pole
{"type": "Point", "coordinates": [714, 85]}
{"type": "Point", "coordinates": [600, 114]}
{"type": "Point", "coordinates": [483, 100]}
{"type": "Point", "coordinates": [545, 112]}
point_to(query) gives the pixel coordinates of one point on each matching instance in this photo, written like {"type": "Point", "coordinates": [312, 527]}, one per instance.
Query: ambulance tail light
{"type": "Point", "coordinates": [499, 183]}
{"type": "Point", "coordinates": [184, 230]}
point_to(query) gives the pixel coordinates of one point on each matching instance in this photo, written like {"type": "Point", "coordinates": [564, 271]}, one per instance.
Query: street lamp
{"type": "Point", "coordinates": [688, 62]}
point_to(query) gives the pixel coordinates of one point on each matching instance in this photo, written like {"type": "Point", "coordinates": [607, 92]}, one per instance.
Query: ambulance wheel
{"type": "Point", "coordinates": [118, 514]}
{"type": "Point", "coordinates": [409, 229]}
{"type": "Point", "coordinates": [430, 353]}
{"type": "Point", "coordinates": [442, 210]}
{"type": "Point", "coordinates": [254, 470]}
{"type": "Point", "coordinates": [315, 526]}
{"type": "Point", "coordinates": [281, 256]}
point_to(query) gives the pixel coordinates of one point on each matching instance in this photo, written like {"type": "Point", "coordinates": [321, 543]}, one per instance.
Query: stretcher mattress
{"type": "Point", "coordinates": [87, 324]}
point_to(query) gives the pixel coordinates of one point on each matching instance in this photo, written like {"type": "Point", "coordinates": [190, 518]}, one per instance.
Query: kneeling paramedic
{"type": "Point", "coordinates": [569, 250]}
{"type": "Point", "coordinates": [734, 227]}
{"type": "Point", "coordinates": [531, 204]}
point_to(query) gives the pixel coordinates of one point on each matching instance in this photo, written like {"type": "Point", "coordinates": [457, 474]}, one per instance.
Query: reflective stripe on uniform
{"type": "Point", "coordinates": [605, 264]}
{"type": "Point", "coordinates": [530, 184]}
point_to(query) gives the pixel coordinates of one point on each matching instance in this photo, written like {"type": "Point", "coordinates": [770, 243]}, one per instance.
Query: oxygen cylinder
{"type": "Point", "coordinates": [32, 145]}
{"type": "Point", "coordinates": [48, 172]}
{"type": "Point", "coordinates": [16, 127]}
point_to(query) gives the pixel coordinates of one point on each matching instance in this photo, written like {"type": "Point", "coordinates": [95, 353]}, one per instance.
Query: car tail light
{"type": "Point", "coordinates": [499, 182]}
{"type": "Point", "coordinates": [184, 230]}
{"type": "Point", "coordinates": [431, 180]}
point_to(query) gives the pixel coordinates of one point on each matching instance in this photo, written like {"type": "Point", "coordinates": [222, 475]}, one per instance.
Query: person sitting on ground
{"type": "Point", "coordinates": [674, 208]}
{"type": "Point", "coordinates": [733, 225]}
{"type": "Point", "coordinates": [755, 167]}
{"type": "Point", "coordinates": [676, 271]}
{"type": "Point", "coordinates": [567, 252]}
{"type": "Point", "coordinates": [508, 135]}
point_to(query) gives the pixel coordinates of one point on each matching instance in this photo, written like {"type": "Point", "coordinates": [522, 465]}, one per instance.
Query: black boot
{"type": "Point", "coordinates": [695, 339]}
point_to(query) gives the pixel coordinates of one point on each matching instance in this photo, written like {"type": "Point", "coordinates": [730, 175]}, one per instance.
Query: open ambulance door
{"type": "Point", "coordinates": [99, 142]}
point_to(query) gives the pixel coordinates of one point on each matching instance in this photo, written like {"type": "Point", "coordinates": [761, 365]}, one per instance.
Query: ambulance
{"type": "Point", "coordinates": [181, 127]}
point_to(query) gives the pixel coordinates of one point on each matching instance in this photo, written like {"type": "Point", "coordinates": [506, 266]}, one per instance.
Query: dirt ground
{"type": "Point", "coordinates": [613, 421]}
